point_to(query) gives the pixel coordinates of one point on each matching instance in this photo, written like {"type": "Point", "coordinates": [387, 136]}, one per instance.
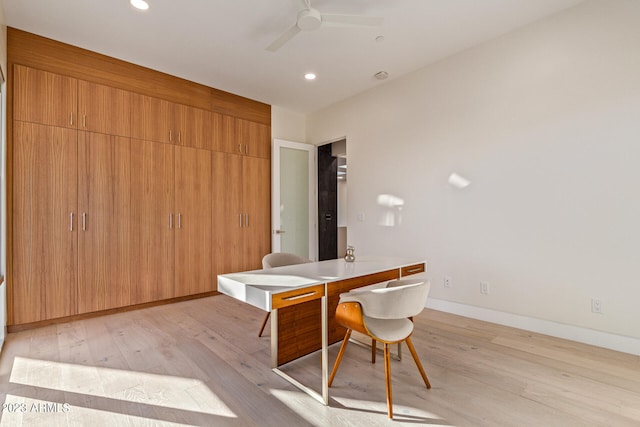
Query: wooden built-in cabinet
{"type": "Point", "coordinates": [45, 98]}
{"type": "Point", "coordinates": [254, 138]}
{"type": "Point", "coordinates": [241, 228]}
{"type": "Point", "coordinates": [44, 222]}
{"type": "Point", "coordinates": [120, 198]}
{"type": "Point", "coordinates": [71, 222]}
{"type": "Point", "coordinates": [171, 190]}
{"type": "Point", "coordinates": [104, 202]}
{"type": "Point", "coordinates": [104, 109]}
{"type": "Point", "coordinates": [193, 207]}
{"type": "Point", "coordinates": [243, 137]}
{"type": "Point", "coordinates": [256, 200]}
{"type": "Point", "coordinates": [228, 216]}
{"type": "Point", "coordinates": [193, 126]}
{"type": "Point", "coordinates": [152, 221]}
{"type": "Point", "coordinates": [163, 121]}
{"type": "Point", "coordinates": [51, 99]}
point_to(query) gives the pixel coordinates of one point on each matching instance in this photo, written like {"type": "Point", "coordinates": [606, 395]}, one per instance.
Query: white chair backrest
{"type": "Point", "coordinates": [279, 259]}
{"type": "Point", "coordinates": [404, 298]}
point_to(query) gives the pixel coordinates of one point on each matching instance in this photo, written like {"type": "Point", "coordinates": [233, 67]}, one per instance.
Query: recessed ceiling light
{"type": "Point", "coordinates": [139, 4]}
{"type": "Point", "coordinates": [310, 76]}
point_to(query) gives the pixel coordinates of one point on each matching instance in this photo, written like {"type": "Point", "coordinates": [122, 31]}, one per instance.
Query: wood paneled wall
{"type": "Point", "coordinates": [27, 49]}
{"type": "Point", "coordinates": [50, 55]}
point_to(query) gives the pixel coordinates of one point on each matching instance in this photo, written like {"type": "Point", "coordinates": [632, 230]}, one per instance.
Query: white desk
{"type": "Point", "coordinates": [290, 286]}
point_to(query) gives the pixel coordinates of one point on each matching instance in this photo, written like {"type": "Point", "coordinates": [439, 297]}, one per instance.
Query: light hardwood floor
{"type": "Point", "coordinates": [200, 362]}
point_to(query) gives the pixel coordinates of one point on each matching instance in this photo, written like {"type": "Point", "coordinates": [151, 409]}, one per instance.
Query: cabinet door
{"type": "Point", "coordinates": [217, 132]}
{"type": "Point", "coordinates": [225, 131]}
{"type": "Point", "coordinates": [194, 127]}
{"type": "Point", "coordinates": [193, 201]}
{"type": "Point", "coordinates": [151, 118]}
{"type": "Point", "coordinates": [45, 240]}
{"type": "Point", "coordinates": [104, 207]}
{"type": "Point", "coordinates": [255, 138]}
{"type": "Point", "coordinates": [152, 221]}
{"type": "Point", "coordinates": [104, 109]}
{"type": "Point", "coordinates": [228, 217]}
{"type": "Point", "coordinates": [256, 199]}
{"type": "Point", "coordinates": [43, 97]}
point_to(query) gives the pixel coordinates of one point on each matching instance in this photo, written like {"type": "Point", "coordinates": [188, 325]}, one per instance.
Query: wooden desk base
{"type": "Point", "coordinates": [299, 326]}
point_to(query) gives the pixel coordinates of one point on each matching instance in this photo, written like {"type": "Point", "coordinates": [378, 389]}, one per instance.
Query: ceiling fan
{"type": "Point", "coordinates": [310, 19]}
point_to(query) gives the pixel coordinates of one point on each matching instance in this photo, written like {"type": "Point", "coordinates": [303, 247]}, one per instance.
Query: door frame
{"type": "Point", "coordinates": [275, 194]}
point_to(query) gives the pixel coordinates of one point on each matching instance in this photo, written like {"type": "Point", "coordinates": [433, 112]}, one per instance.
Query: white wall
{"type": "Point", "coordinates": [342, 203]}
{"type": "Point", "coordinates": [287, 125]}
{"type": "Point", "coordinates": [545, 122]}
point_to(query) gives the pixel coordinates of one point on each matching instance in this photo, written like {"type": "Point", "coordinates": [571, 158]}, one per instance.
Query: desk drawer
{"type": "Point", "coordinates": [297, 296]}
{"type": "Point", "coordinates": [412, 269]}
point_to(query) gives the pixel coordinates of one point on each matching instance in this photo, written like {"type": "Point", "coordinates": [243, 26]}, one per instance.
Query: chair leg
{"type": "Point", "coordinates": [264, 323]}
{"type": "Point", "coordinates": [418, 364]}
{"type": "Point", "coordinates": [373, 350]}
{"type": "Point", "coordinates": [340, 354]}
{"type": "Point", "coordinates": [387, 374]}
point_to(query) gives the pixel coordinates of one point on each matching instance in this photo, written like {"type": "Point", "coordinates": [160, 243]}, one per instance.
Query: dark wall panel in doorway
{"type": "Point", "coordinates": [327, 204]}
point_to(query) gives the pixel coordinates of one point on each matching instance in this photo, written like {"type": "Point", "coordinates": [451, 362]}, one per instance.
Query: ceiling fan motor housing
{"type": "Point", "coordinates": [309, 19]}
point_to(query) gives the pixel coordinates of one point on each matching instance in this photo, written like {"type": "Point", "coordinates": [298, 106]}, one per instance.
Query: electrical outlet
{"type": "Point", "coordinates": [447, 282]}
{"type": "Point", "coordinates": [484, 288]}
{"type": "Point", "coordinates": [596, 305]}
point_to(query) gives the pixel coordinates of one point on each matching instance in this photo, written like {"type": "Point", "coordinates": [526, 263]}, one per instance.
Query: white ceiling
{"type": "Point", "coordinates": [221, 43]}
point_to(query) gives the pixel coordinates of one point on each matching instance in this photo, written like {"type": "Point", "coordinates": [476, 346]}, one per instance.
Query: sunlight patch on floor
{"type": "Point", "coordinates": [186, 394]}
{"type": "Point", "coordinates": [298, 402]}
{"type": "Point", "coordinates": [342, 407]}
{"type": "Point", "coordinates": [400, 412]}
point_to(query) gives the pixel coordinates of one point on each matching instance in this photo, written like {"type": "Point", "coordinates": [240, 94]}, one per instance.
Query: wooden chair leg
{"type": "Point", "coordinates": [387, 374]}
{"type": "Point", "coordinates": [264, 323]}
{"type": "Point", "coordinates": [340, 354]}
{"type": "Point", "coordinates": [373, 350]}
{"type": "Point", "coordinates": [418, 364]}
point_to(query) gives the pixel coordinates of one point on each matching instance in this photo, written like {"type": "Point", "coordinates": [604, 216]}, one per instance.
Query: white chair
{"type": "Point", "coordinates": [279, 259]}
{"type": "Point", "coordinates": [384, 315]}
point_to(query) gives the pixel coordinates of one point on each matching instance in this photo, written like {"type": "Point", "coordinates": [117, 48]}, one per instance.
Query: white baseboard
{"type": "Point", "coordinates": [547, 327]}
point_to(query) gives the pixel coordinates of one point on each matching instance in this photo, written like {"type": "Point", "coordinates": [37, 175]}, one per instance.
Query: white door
{"type": "Point", "coordinates": [294, 198]}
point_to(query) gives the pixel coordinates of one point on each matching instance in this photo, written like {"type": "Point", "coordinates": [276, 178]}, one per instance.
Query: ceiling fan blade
{"type": "Point", "coordinates": [351, 20]}
{"type": "Point", "coordinates": [288, 35]}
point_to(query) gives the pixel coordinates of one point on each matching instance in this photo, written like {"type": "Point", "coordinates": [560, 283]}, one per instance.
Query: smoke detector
{"type": "Point", "coordinates": [381, 75]}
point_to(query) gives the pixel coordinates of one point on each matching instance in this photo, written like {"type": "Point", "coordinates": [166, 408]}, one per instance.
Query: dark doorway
{"type": "Point", "coordinates": [327, 203]}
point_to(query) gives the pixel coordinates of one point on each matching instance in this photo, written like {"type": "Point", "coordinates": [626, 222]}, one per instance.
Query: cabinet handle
{"type": "Point", "coordinates": [71, 221]}
{"type": "Point", "coordinates": [170, 221]}
{"type": "Point", "coordinates": [240, 220]}
{"type": "Point", "coordinates": [240, 148]}
{"type": "Point", "coordinates": [71, 120]}
{"type": "Point", "coordinates": [295, 297]}
{"type": "Point", "coordinates": [170, 139]}
{"type": "Point", "coordinates": [179, 137]}
{"type": "Point", "coordinates": [179, 221]}
{"type": "Point", "coordinates": [246, 220]}
{"type": "Point", "coordinates": [84, 120]}
{"type": "Point", "coordinates": [84, 221]}
{"type": "Point", "coordinates": [246, 148]}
